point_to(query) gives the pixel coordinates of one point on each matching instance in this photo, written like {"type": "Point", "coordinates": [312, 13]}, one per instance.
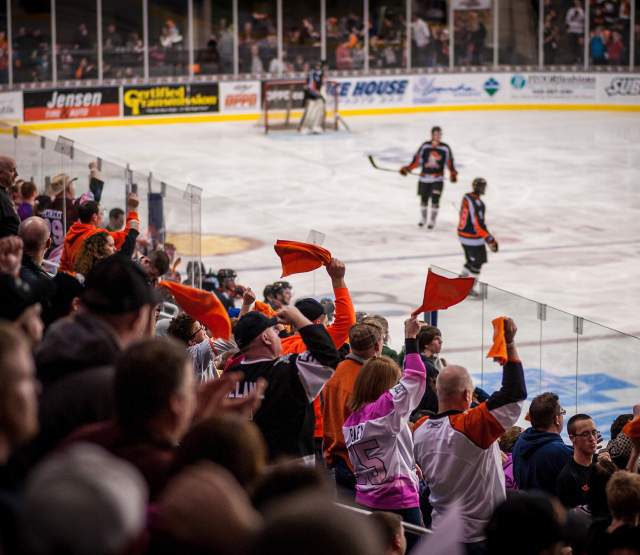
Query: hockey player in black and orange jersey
{"type": "Point", "coordinates": [473, 232]}
{"type": "Point", "coordinates": [432, 158]}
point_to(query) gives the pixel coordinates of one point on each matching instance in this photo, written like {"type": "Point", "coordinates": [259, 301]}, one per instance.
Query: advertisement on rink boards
{"type": "Point", "coordinates": [242, 96]}
{"type": "Point", "coordinates": [375, 91]}
{"type": "Point", "coordinates": [619, 89]}
{"type": "Point", "coordinates": [553, 86]}
{"type": "Point", "coordinates": [461, 88]}
{"type": "Point", "coordinates": [59, 104]}
{"type": "Point", "coordinates": [11, 106]}
{"type": "Point", "coordinates": [285, 95]}
{"type": "Point", "coordinates": [155, 100]}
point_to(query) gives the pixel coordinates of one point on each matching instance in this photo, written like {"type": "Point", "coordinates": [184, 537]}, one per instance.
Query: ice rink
{"type": "Point", "coordinates": [562, 201]}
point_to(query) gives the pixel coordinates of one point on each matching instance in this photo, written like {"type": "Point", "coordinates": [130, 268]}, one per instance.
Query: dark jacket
{"type": "Point", "coordinates": [73, 345]}
{"type": "Point", "coordinates": [9, 219]}
{"type": "Point", "coordinates": [538, 458]}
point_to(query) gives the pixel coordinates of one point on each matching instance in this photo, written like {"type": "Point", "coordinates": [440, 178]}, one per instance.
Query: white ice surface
{"type": "Point", "coordinates": [562, 200]}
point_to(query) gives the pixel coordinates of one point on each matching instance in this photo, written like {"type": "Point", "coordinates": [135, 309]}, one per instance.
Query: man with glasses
{"type": "Point", "coordinates": [572, 481]}
{"type": "Point", "coordinates": [194, 335]}
{"type": "Point", "coordinates": [539, 455]}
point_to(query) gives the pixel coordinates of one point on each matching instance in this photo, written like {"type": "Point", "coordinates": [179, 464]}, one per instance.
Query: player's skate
{"type": "Point", "coordinates": [317, 130]}
{"type": "Point", "coordinates": [423, 216]}
{"type": "Point", "coordinates": [432, 221]}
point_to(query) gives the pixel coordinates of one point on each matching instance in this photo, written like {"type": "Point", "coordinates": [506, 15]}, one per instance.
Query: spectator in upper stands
{"type": "Point", "coordinates": [84, 501]}
{"type": "Point", "coordinates": [194, 335]}
{"type": "Point", "coordinates": [36, 239]}
{"type": "Point", "coordinates": [28, 194]}
{"type": "Point", "coordinates": [390, 525]}
{"type": "Point", "coordinates": [95, 248]}
{"type": "Point", "coordinates": [116, 219]}
{"type": "Point", "coordinates": [377, 433]}
{"type": "Point", "coordinates": [9, 219]}
{"type": "Point", "coordinates": [540, 454]}
{"type": "Point", "coordinates": [421, 37]}
{"type": "Point", "coordinates": [598, 47]}
{"type": "Point", "coordinates": [155, 400]}
{"type": "Point", "coordinates": [575, 21]}
{"type": "Point", "coordinates": [572, 480]}
{"type": "Point", "coordinates": [227, 440]}
{"type": "Point", "coordinates": [457, 448]}
{"type": "Point", "coordinates": [18, 422]}
{"type": "Point", "coordinates": [366, 342]}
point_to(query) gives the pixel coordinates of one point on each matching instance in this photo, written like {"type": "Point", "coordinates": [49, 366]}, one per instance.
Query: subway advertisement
{"type": "Point", "coordinates": [60, 104]}
{"type": "Point", "coordinates": [155, 100]}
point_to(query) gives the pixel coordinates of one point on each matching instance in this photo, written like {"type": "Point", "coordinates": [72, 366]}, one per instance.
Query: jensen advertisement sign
{"type": "Point", "coordinates": [59, 104]}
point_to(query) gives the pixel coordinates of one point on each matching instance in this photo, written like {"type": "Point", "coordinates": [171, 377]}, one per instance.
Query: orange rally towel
{"type": "Point", "coordinates": [498, 350]}
{"type": "Point", "coordinates": [632, 428]}
{"type": "Point", "coordinates": [441, 292]}
{"type": "Point", "coordinates": [202, 306]}
{"type": "Point", "coordinates": [298, 257]}
{"type": "Point", "coordinates": [265, 308]}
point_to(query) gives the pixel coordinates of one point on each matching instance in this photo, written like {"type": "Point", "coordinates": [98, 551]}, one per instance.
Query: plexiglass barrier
{"type": "Point", "coordinates": [594, 369]}
{"type": "Point", "coordinates": [168, 213]}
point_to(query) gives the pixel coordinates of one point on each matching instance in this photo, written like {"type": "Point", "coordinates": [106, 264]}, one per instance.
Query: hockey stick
{"type": "Point", "coordinates": [373, 163]}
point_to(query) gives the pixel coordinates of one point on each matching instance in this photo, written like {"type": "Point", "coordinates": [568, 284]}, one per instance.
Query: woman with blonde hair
{"type": "Point", "coordinates": [95, 248]}
{"type": "Point", "coordinates": [377, 433]}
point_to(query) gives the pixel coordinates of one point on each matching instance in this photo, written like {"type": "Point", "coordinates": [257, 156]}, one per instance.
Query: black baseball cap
{"type": "Point", "coordinates": [310, 308]}
{"type": "Point", "coordinates": [117, 285]}
{"type": "Point", "coordinates": [250, 326]}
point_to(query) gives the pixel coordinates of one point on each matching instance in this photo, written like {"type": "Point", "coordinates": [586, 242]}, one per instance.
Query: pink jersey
{"type": "Point", "coordinates": [380, 442]}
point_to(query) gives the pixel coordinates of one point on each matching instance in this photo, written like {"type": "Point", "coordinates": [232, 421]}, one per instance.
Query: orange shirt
{"type": "Point", "coordinates": [334, 410]}
{"type": "Point", "coordinates": [78, 233]}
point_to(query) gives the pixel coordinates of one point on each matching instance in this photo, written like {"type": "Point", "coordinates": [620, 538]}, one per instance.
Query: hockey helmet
{"type": "Point", "coordinates": [479, 185]}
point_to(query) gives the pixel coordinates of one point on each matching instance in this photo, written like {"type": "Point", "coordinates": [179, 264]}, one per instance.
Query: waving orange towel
{"type": "Point", "coordinates": [498, 350]}
{"type": "Point", "coordinates": [266, 309]}
{"type": "Point", "coordinates": [300, 257]}
{"type": "Point", "coordinates": [441, 292]}
{"type": "Point", "coordinates": [632, 428]}
{"type": "Point", "coordinates": [202, 306]}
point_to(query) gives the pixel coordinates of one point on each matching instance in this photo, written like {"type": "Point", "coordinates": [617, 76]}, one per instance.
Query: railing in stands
{"type": "Point", "coordinates": [410, 528]}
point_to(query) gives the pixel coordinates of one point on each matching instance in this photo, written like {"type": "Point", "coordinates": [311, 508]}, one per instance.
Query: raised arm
{"type": "Point", "coordinates": [345, 316]}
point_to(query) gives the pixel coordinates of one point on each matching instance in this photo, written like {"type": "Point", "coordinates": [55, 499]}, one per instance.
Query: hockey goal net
{"type": "Point", "coordinates": [283, 105]}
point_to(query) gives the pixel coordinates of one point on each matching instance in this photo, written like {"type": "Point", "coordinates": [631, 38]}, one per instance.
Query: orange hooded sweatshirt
{"type": "Point", "coordinates": [339, 331]}
{"type": "Point", "coordinates": [78, 233]}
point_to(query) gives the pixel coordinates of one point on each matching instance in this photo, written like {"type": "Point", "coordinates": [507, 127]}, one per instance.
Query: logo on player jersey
{"type": "Point", "coordinates": [491, 86]}
{"type": "Point", "coordinates": [434, 159]}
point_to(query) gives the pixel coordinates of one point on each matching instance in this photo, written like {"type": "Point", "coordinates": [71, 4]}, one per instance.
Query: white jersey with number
{"type": "Point", "coordinates": [380, 443]}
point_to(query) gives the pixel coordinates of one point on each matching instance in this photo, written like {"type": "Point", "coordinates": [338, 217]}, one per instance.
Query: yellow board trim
{"type": "Point", "coordinates": [44, 126]}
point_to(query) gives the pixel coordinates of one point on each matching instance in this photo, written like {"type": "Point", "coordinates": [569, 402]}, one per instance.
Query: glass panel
{"type": "Point", "coordinates": [608, 373]}
{"type": "Point", "coordinates": [301, 35]}
{"type": "Point", "coordinates": [31, 34]}
{"type": "Point", "coordinates": [518, 33]}
{"type": "Point", "coordinates": [559, 365]}
{"type": "Point", "coordinates": [345, 32]}
{"type": "Point", "coordinates": [473, 30]}
{"type": "Point", "coordinates": [388, 34]}
{"type": "Point", "coordinates": [563, 41]}
{"type": "Point", "coordinates": [168, 38]}
{"type": "Point", "coordinates": [524, 313]}
{"type": "Point", "coordinates": [213, 36]}
{"type": "Point", "coordinates": [636, 37]}
{"type": "Point", "coordinates": [609, 33]}
{"type": "Point", "coordinates": [4, 45]}
{"type": "Point", "coordinates": [76, 36]}
{"type": "Point", "coordinates": [429, 33]}
{"type": "Point", "coordinates": [258, 38]}
{"type": "Point", "coordinates": [123, 47]}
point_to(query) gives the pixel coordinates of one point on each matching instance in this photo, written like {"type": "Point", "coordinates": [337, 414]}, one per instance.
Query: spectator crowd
{"type": "Point", "coordinates": [140, 415]}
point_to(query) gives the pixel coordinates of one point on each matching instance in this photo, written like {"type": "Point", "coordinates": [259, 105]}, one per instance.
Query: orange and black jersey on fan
{"type": "Point", "coordinates": [432, 161]}
{"type": "Point", "coordinates": [472, 230]}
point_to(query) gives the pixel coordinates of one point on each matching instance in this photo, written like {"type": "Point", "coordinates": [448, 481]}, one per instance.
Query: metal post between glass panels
{"type": "Point", "coordinates": [145, 37]}
{"type": "Point", "coordinates": [99, 35]}
{"type": "Point", "coordinates": [408, 39]}
{"type": "Point", "coordinates": [190, 42]}
{"type": "Point", "coordinates": [9, 43]}
{"type": "Point", "coordinates": [54, 41]}
{"type": "Point", "coordinates": [236, 39]}
{"type": "Point", "coordinates": [587, 30]}
{"type": "Point", "coordinates": [366, 34]}
{"type": "Point", "coordinates": [496, 27]}
{"type": "Point", "coordinates": [452, 41]}
{"type": "Point", "coordinates": [541, 34]}
{"type": "Point", "coordinates": [323, 29]}
{"type": "Point", "coordinates": [632, 36]}
{"type": "Point", "coordinates": [279, 35]}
